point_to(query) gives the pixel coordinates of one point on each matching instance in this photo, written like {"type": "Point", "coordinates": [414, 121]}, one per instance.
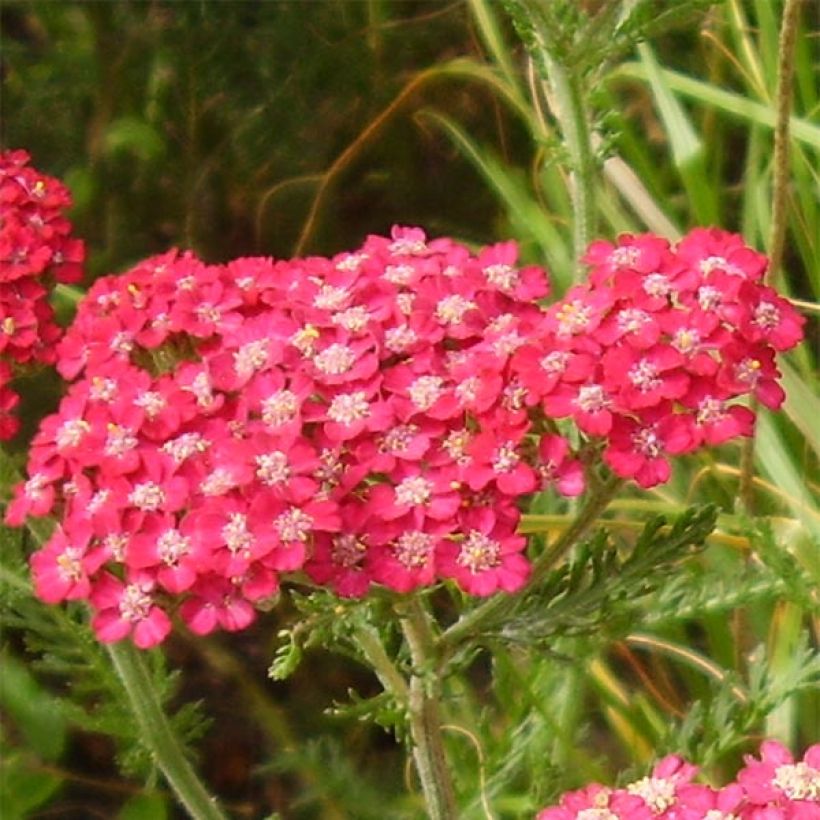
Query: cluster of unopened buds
{"type": "Point", "coordinates": [773, 787]}
{"type": "Point", "coordinates": [375, 417]}
{"type": "Point", "coordinates": [36, 250]}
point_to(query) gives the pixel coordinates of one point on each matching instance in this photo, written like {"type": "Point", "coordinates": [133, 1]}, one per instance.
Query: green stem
{"type": "Point", "coordinates": [597, 502]}
{"type": "Point", "coordinates": [390, 678]}
{"type": "Point", "coordinates": [572, 117]}
{"type": "Point", "coordinates": [425, 716]}
{"type": "Point", "coordinates": [783, 103]}
{"type": "Point", "coordinates": [158, 735]}
{"type": "Point", "coordinates": [584, 521]}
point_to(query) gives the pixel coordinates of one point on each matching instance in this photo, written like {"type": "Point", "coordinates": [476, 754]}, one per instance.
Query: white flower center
{"type": "Point", "coordinates": [171, 546]}
{"type": "Point", "coordinates": [119, 440]}
{"type": "Point", "coordinates": [503, 277]}
{"type": "Point", "coordinates": [766, 316]}
{"type": "Point", "coordinates": [185, 446]}
{"type": "Point", "coordinates": [644, 375]}
{"type": "Point", "coordinates": [710, 410]}
{"type": "Point", "coordinates": [398, 439]}
{"type": "Point", "coordinates": [646, 442]}
{"type": "Point", "coordinates": [399, 274]}
{"type": "Point", "coordinates": [625, 257]}
{"type": "Point", "coordinates": [708, 297]}
{"type": "Point", "coordinates": [218, 482]}
{"type": "Point", "coordinates": [70, 433]}
{"type": "Point", "coordinates": [479, 552]}
{"type": "Point", "coordinates": [657, 285]}
{"type": "Point", "coordinates": [335, 359]}
{"type": "Point", "coordinates": [135, 603]}
{"type": "Point", "coordinates": [425, 391]}
{"type": "Point", "coordinates": [414, 490]}
{"type": "Point", "coordinates": [280, 408]}
{"type": "Point", "coordinates": [347, 408]}
{"type": "Point", "coordinates": [505, 458]}
{"type": "Point", "coordinates": [451, 309]}
{"type": "Point", "coordinates": [398, 339]}
{"type": "Point", "coordinates": [456, 443]}
{"type": "Point", "coordinates": [69, 565]}
{"type": "Point", "coordinates": [631, 320]}
{"type": "Point", "coordinates": [798, 781]}
{"type": "Point", "coordinates": [573, 317]}
{"type": "Point", "coordinates": [152, 402]}
{"type": "Point", "coordinates": [294, 525]}
{"type": "Point", "coordinates": [592, 398]}
{"type": "Point", "coordinates": [555, 363]}
{"type": "Point", "coordinates": [272, 468]}
{"type": "Point", "coordinates": [657, 793]}
{"type": "Point", "coordinates": [348, 551]}
{"type": "Point", "coordinates": [147, 496]}
{"type": "Point", "coordinates": [236, 535]}
{"type": "Point", "coordinates": [250, 357]}
{"type": "Point", "coordinates": [413, 549]}
{"type": "Point", "coordinates": [354, 319]}
{"type": "Point", "coordinates": [686, 340]}
{"type": "Point", "coordinates": [330, 297]}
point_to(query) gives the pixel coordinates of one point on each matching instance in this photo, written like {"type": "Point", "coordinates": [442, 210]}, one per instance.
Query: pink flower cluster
{"type": "Point", "coordinates": [354, 418]}
{"type": "Point", "coordinates": [36, 249]}
{"type": "Point", "coordinates": [653, 352]}
{"type": "Point", "coordinates": [375, 417]}
{"type": "Point", "coordinates": [774, 787]}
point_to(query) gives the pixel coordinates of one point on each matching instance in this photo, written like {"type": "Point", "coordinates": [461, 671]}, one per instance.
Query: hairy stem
{"type": "Point", "coordinates": [390, 678]}
{"type": "Point", "coordinates": [159, 737]}
{"type": "Point", "coordinates": [572, 117]}
{"type": "Point", "coordinates": [783, 104]}
{"type": "Point", "coordinates": [425, 717]}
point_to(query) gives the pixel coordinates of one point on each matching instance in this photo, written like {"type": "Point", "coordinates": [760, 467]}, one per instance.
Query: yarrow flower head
{"type": "Point", "coordinates": [376, 417]}
{"type": "Point", "coordinates": [229, 424]}
{"type": "Point", "coordinates": [36, 251]}
{"type": "Point", "coordinates": [775, 787]}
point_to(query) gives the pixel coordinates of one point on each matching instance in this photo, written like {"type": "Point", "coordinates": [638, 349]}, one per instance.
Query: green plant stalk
{"type": "Point", "coordinates": [157, 734]}
{"type": "Point", "coordinates": [783, 103]}
{"type": "Point", "coordinates": [780, 192]}
{"type": "Point", "coordinates": [368, 640]}
{"type": "Point", "coordinates": [572, 117]}
{"type": "Point", "coordinates": [425, 716]}
{"type": "Point", "coordinates": [587, 516]}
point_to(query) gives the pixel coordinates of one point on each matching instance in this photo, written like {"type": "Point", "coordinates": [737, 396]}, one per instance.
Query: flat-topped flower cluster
{"type": "Point", "coordinates": [36, 250]}
{"type": "Point", "coordinates": [375, 417]}
{"type": "Point", "coordinates": [773, 787]}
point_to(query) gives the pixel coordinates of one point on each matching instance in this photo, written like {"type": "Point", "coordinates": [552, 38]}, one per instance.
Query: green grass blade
{"type": "Point", "coordinates": [686, 145]}
{"type": "Point", "coordinates": [734, 105]}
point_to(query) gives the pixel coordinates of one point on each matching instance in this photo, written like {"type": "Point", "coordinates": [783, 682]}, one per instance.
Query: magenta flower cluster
{"type": "Point", "coordinates": [773, 787]}
{"type": "Point", "coordinates": [36, 250]}
{"type": "Point", "coordinates": [375, 417]}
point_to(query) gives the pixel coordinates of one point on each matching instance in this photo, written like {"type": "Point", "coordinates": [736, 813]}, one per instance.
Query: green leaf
{"type": "Point", "coordinates": [34, 711]}
{"type": "Point", "coordinates": [23, 790]}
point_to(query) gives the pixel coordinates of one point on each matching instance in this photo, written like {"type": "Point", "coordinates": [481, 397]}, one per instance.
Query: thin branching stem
{"type": "Point", "coordinates": [158, 735]}
{"type": "Point", "coordinates": [424, 712]}
{"type": "Point", "coordinates": [783, 106]}
{"type": "Point", "coordinates": [571, 113]}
